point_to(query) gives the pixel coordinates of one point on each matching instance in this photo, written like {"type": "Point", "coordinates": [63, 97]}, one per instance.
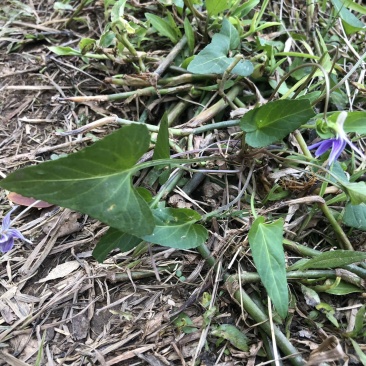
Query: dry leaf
{"type": "Point", "coordinates": [62, 270]}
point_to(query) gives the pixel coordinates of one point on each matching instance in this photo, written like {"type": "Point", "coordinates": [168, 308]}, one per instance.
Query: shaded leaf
{"type": "Point", "coordinates": [356, 192]}
{"type": "Point", "coordinates": [274, 121]}
{"type": "Point", "coordinates": [95, 181]}
{"type": "Point", "coordinates": [230, 31]}
{"type": "Point", "coordinates": [334, 259]}
{"type": "Point", "coordinates": [343, 288]}
{"type": "Point", "coordinates": [213, 58]}
{"type": "Point", "coordinates": [232, 334]}
{"type": "Point", "coordinates": [266, 244]}
{"type": "Point", "coordinates": [162, 148]}
{"type": "Point", "coordinates": [114, 239]}
{"type": "Point", "coordinates": [164, 28]}
{"type": "Point", "coordinates": [177, 228]}
{"type": "Point", "coordinates": [351, 23]}
{"type": "Point", "coordinates": [188, 31]}
{"type": "Point", "coordinates": [355, 216]}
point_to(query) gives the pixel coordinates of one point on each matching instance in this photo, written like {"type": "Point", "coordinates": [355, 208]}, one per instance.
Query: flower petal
{"type": "Point", "coordinates": [6, 243]}
{"type": "Point", "coordinates": [17, 234]}
{"type": "Point", "coordinates": [337, 148]}
{"type": "Point", "coordinates": [322, 146]}
{"type": "Point", "coordinates": [6, 220]}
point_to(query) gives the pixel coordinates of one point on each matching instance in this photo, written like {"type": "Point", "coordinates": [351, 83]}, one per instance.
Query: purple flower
{"type": "Point", "coordinates": [7, 234]}
{"type": "Point", "coordinates": [337, 144]}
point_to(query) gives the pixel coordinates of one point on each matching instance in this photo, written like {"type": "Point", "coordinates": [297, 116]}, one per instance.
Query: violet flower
{"type": "Point", "coordinates": [7, 234]}
{"type": "Point", "coordinates": [337, 144]}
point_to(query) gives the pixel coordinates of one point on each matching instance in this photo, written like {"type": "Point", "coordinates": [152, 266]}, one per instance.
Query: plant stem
{"type": "Point", "coordinates": [211, 112]}
{"type": "Point", "coordinates": [344, 242]}
{"type": "Point", "coordinates": [170, 58]}
{"type": "Point", "coordinates": [262, 319]}
{"type": "Point", "coordinates": [304, 147]}
{"type": "Point", "coordinates": [135, 93]}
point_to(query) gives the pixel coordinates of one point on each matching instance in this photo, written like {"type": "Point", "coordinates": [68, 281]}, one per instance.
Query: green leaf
{"type": "Point", "coordinates": [213, 58]}
{"type": "Point", "coordinates": [274, 121]}
{"type": "Point", "coordinates": [356, 192]}
{"type": "Point", "coordinates": [265, 241]}
{"type": "Point", "coordinates": [113, 239]}
{"type": "Point", "coordinates": [162, 27]}
{"type": "Point", "coordinates": [184, 323]}
{"type": "Point", "coordinates": [334, 259]}
{"type": "Point", "coordinates": [106, 39]}
{"type": "Point", "coordinates": [87, 45]}
{"type": "Point", "coordinates": [355, 216]}
{"type": "Point", "coordinates": [360, 353]}
{"type": "Point", "coordinates": [232, 334]}
{"type": "Point", "coordinates": [229, 31]}
{"type": "Point", "coordinates": [350, 22]}
{"type": "Point", "coordinates": [95, 181]}
{"type": "Point", "coordinates": [64, 51]}
{"type": "Point", "coordinates": [177, 228]}
{"type": "Point", "coordinates": [355, 122]}
{"type": "Point", "coordinates": [343, 288]}
{"type": "Point", "coordinates": [188, 30]}
{"type": "Point", "coordinates": [215, 7]}
{"type": "Point", "coordinates": [118, 10]}
{"type": "Point", "coordinates": [162, 149]}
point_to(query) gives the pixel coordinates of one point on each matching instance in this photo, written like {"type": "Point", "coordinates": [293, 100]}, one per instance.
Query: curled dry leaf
{"type": "Point", "coordinates": [26, 201]}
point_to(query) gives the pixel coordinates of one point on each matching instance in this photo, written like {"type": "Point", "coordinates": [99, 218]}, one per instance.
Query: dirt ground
{"type": "Point", "coordinates": [57, 304]}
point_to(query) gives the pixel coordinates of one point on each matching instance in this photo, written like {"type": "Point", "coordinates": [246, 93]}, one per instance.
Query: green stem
{"type": "Point", "coordinates": [262, 319]}
{"type": "Point", "coordinates": [149, 91]}
{"type": "Point", "coordinates": [183, 131]}
{"type": "Point", "coordinates": [211, 112]}
{"type": "Point", "coordinates": [304, 147]}
{"type": "Point", "coordinates": [344, 242]}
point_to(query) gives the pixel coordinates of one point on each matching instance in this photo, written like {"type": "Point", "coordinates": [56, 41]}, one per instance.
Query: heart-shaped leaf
{"type": "Point", "coordinates": [95, 181]}
{"type": "Point", "coordinates": [274, 121]}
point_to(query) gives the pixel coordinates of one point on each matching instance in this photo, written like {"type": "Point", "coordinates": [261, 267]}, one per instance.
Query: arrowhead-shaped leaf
{"type": "Point", "coordinates": [274, 121]}
{"type": "Point", "coordinates": [265, 241]}
{"type": "Point", "coordinates": [177, 228]}
{"type": "Point", "coordinates": [95, 181]}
